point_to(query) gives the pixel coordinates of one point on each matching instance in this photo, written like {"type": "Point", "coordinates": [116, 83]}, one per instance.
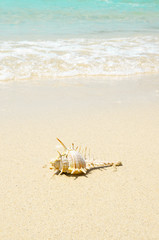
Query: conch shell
{"type": "Point", "coordinates": [71, 161]}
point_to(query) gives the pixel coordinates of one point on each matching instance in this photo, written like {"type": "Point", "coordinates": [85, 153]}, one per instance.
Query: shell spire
{"type": "Point", "coordinates": [95, 164]}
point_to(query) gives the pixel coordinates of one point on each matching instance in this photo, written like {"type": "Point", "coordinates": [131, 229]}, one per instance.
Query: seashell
{"type": "Point", "coordinates": [73, 162]}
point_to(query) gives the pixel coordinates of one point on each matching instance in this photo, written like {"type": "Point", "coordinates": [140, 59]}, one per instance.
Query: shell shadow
{"type": "Point", "coordinates": [75, 176]}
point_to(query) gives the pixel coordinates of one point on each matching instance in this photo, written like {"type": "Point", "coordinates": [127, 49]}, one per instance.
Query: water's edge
{"type": "Point", "coordinates": [41, 60]}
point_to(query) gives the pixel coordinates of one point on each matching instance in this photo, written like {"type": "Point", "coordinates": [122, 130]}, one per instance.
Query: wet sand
{"type": "Point", "coordinates": [118, 121]}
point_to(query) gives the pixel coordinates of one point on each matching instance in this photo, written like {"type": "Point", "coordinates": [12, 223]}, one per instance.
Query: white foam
{"type": "Point", "coordinates": [25, 60]}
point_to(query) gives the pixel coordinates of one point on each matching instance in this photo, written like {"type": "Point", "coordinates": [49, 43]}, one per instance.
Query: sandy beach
{"type": "Point", "coordinates": [118, 121]}
{"type": "Point", "coordinates": [86, 72]}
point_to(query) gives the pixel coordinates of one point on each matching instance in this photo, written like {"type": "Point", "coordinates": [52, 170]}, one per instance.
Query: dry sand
{"type": "Point", "coordinates": [119, 121]}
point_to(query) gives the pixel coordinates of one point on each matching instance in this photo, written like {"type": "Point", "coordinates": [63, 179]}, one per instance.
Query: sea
{"type": "Point", "coordinates": [68, 39]}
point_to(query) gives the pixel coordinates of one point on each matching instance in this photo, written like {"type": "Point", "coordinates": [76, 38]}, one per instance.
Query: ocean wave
{"type": "Point", "coordinates": [36, 60]}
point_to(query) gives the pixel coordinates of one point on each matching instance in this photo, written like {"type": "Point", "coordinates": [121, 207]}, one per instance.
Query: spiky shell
{"type": "Point", "coordinates": [71, 161]}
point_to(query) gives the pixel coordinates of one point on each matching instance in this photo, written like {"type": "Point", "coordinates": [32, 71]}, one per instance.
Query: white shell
{"type": "Point", "coordinates": [71, 161]}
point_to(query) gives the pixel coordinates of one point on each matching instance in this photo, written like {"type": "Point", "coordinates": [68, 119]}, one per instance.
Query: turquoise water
{"type": "Point", "coordinates": [45, 19]}
{"type": "Point", "coordinates": [78, 38]}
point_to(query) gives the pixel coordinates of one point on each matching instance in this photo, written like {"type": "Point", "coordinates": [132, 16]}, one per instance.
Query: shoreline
{"type": "Point", "coordinates": [51, 60]}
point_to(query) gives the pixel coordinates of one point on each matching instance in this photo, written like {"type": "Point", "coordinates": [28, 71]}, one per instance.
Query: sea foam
{"type": "Point", "coordinates": [27, 60]}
